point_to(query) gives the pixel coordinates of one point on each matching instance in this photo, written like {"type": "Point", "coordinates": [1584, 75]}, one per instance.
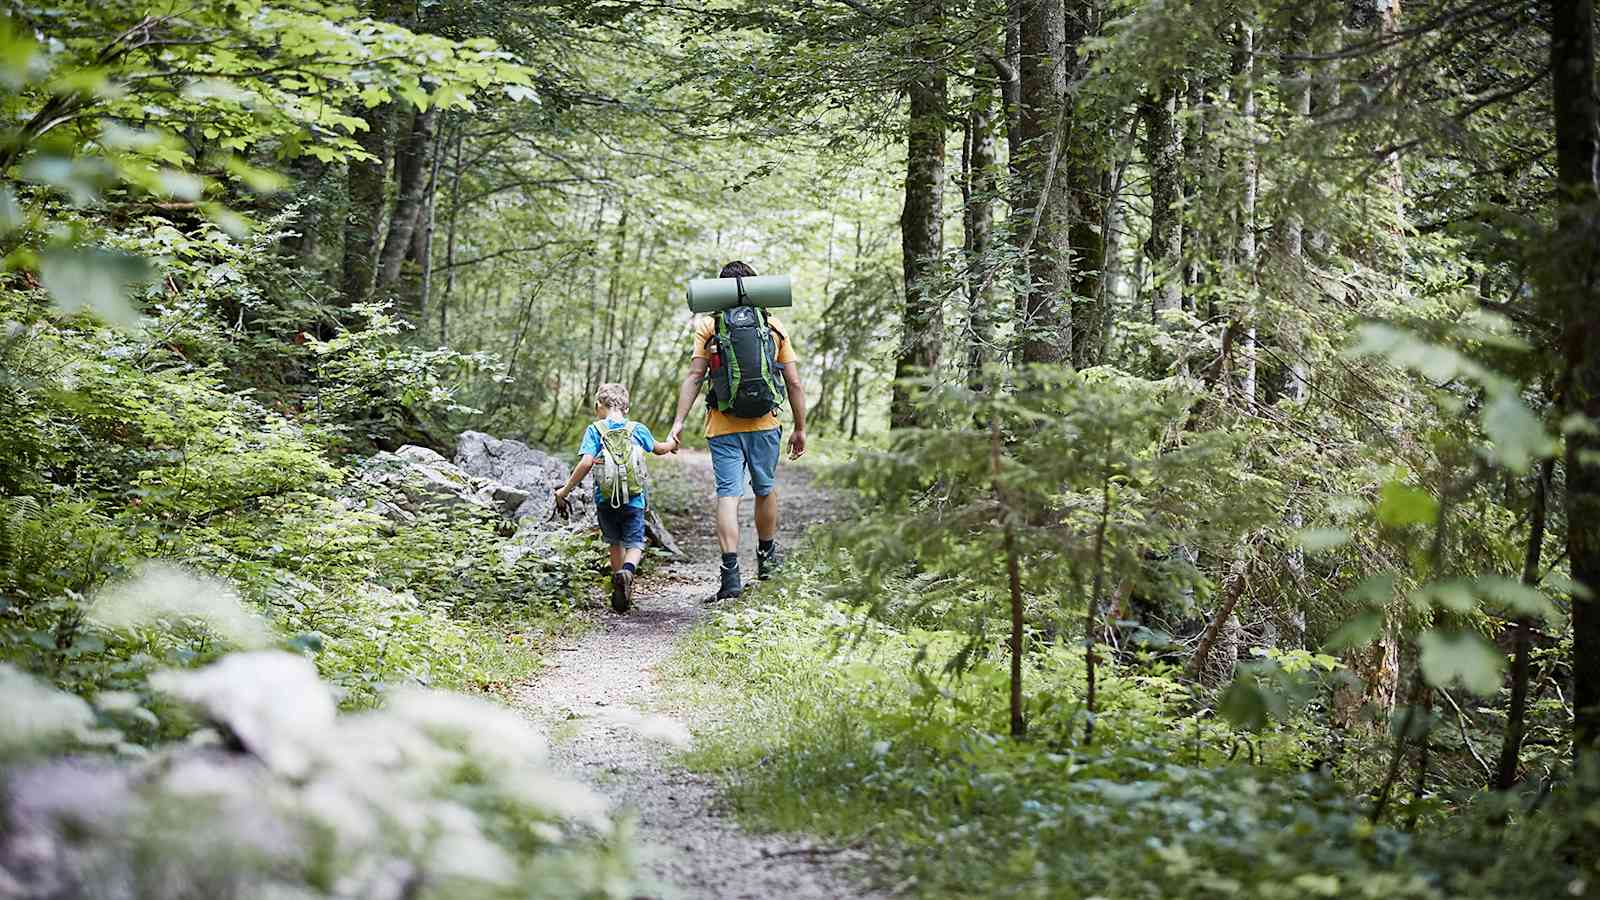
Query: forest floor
{"type": "Point", "coordinates": [604, 703]}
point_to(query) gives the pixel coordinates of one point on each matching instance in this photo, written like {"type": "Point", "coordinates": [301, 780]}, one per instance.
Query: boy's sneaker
{"type": "Point", "coordinates": [768, 563]}
{"type": "Point", "coordinates": [621, 590]}
{"type": "Point", "coordinates": [732, 584]}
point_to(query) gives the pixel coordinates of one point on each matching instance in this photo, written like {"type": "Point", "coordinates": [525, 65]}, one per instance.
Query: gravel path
{"type": "Point", "coordinates": [610, 725]}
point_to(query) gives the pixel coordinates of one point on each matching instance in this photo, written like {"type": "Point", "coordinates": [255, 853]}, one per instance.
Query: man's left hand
{"type": "Point", "coordinates": [797, 444]}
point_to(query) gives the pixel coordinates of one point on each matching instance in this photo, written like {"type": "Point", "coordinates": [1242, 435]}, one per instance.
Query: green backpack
{"type": "Point", "coordinates": [622, 473]}
{"type": "Point", "coordinates": [746, 380]}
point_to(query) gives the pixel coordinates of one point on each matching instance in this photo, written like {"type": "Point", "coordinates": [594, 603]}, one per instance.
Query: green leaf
{"type": "Point", "coordinates": [10, 212]}
{"type": "Point", "coordinates": [94, 279]}
{"type": "Point", "coordinates": [1357, 632]}
{"type": "Point", "coordinates": [1318, 540]}
{"type": "Point", "coordinates": [17, 53]}
{"type": "Point", "coordinates": [1455, 595]}
{"type": "Point", "coordinates": [1245, 704]}
{"type": "Point", "coordinates": [1518, 435]}
{"type": "Point", "coordinates": [1400, 505]}
{"type": "Point", "coordinates": [1518, 597]}
{"type": "Point", "coordinates": [261, 180]}
{"type": "Point", "coordinates": [1451, 655]}
{"type": "Point", "coordinates": [179, 185]}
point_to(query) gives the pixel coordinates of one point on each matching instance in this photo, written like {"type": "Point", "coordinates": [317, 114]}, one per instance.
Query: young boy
{"type": "Point", "coordinates": [621, 521]}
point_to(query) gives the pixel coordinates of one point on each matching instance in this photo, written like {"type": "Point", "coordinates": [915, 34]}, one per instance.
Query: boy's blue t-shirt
{"type": "Point", "coordinates": [591, 447]}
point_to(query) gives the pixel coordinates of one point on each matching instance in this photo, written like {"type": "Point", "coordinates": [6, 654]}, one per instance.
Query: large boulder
{"type": "Point", "coordinates": [518, 467]}
{"type": "Point", "coordinates": [538, 473]}
{"type": "Point", "coordinates": [420, 478]}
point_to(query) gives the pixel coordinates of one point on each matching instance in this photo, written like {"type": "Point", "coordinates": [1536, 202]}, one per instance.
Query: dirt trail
{"type": "Point", "coordinates": [592, 688]}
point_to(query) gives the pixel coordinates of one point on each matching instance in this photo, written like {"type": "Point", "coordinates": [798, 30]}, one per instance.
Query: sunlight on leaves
{"type": "Point", "coordinates": [162, 594]}
{"type": "Point", "coordinates": [95, 280]}
{"type": "Point", "coordinates": [1518, 435]}
{"type": "Point", "coordinates": [33, 713]}
{"type": "Point", "coordinates": [1449, 656]}
{"type": "Point", "coordinates": [1401, 504]}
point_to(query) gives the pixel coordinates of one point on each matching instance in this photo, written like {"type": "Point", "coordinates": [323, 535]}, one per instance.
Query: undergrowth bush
{"type": "Point", "coordinates": [123, 445]}
{"type": "Point", "coordinates": [844, 724]}
{"type": "Point", "coordinates": [435, 795]}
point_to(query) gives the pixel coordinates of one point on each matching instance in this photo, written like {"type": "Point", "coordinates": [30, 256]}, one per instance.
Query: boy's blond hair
{"type": "Point", "coordinates": [612, 396]}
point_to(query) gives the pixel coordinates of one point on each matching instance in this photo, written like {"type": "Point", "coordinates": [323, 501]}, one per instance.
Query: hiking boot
{"type": "Point", "coordinates": [768, 563]}
{"type": "Point", "coordinates": [621, 590]}
{"type": "Point", "coordinates": [731, 583]}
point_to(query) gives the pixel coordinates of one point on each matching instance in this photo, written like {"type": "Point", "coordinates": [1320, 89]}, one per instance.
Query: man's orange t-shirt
{"type": "Point", "coordinates": [717, 421]}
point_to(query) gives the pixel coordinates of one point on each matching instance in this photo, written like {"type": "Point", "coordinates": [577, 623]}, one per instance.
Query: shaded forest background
{"type": "Point", "coordinates": [1219, 382]}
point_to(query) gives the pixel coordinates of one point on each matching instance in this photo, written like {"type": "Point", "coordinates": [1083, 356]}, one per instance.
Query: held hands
{"type": "Point", "coordinates": [675, 437]}
{"type": "Point", "coordinates": [797, 444]}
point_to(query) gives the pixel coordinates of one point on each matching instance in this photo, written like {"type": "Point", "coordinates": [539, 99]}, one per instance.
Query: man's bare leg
{"type": "Point", "coordinates": [728, 523]}
{"type": "Point", "coordinates": [767, 516]}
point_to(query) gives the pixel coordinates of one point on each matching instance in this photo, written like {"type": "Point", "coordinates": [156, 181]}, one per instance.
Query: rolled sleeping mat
{"type": "Point", "coordinates": [709, 295]}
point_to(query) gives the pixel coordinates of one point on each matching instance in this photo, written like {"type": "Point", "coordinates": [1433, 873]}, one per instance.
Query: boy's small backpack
{"type": "Point", "coordinates": [746, 379]}
{"type": "Point", "coordinates": [622, 474]}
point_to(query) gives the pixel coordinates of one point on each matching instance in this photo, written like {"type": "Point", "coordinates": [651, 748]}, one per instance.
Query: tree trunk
{"type": "Point", "coordinates": [1295, 89]}
{"type": "Point", "coordinates": [855, 402]}
{"type": "Point", "coordinates": [1222, 630]}
{"type": "Point", "coordinates": [978, 226]}
{"type": "Point", "coordinates": [1019, 724]}
{"type": "Point", "coordinates": [1194, 177]}
{"type": "Point", "coordinates": [1247, 216]}
{"type": "Point", "coordinates": [412, 167]}
{"type": "Point", "coordinates": [365, 187]}
{"type": "Point", "coordinates": [1046, 327]}
{"type": "Point", "coordinates": [450, 239]}
{"type": "Point", "coordinates": [921, 226]}
{"type": "Point", "coordinates": [1575, 270]}
{"type": "Point", "coordinates": [302, 246]}
{"type": "Point", "coordinates": [1505, 777]}
{"type": "Point", "coordinates": [1164, 151]}
{"type": "Point", "coordinates": [1087, 184]}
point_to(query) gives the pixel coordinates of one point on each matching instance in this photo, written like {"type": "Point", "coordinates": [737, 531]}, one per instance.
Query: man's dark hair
{"type": "Point", "coordinates": [737, 269]}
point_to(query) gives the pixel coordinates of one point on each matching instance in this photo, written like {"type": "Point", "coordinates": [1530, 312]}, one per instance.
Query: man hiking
{"type": "Point", "coordinates": [747, 444]}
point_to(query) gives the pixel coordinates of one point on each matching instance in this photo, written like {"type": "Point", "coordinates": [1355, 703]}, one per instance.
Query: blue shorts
{"type": "Point", "coordinates": [756, 452]}
{"type": "Point", "coordinates": [623, 526]}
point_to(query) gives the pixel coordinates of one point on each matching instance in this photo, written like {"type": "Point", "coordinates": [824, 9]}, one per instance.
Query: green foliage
{"type": "Point", "coordinates": [133, 444]}
{"type": "Point", "coordinates": [379, 391]}
{"type": "Point", "coordinates": [1091, 471]}
{"type": "Point", "coordinates": [444, 792]}
{"type": "Point", "coordinates": [836, 724]}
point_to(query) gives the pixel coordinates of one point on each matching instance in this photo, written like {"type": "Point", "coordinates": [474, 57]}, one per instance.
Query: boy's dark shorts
{"type": "Point", "coordinates": [623, 526]}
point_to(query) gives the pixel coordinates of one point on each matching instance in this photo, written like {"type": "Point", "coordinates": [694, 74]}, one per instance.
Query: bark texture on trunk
{"type": "Point", "coordinates": [1505, 776]}
{"type": "Point", "coordinates": [413, 167]}
{"type": "Point", "coordinates": [978, 226]}
{"type": "Point", "coordinates": [1576, 269]}
{"type": "Point", "coordinates": [921, 227]}
{"type": "Point", "coordinates": [365, 180]}
{"type": "Point", "coordinates": [1245, 63]}
{"type": "Point", "coordinates": [1046, 327]}
{"type": "Point", "coordinates": [1164, 151]}
{"type": "Point", "coordinates": [1088, 184]}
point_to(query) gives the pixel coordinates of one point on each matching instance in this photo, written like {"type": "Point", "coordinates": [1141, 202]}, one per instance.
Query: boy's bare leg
{"type": "Point", "coordinates": [616, 557]}
{"type": "Point", "coordinates": [767, 516]}
{"type": "Point", "coordinates": [633, 555]}
{"type": "Point", "coordinates": [728, 524]}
